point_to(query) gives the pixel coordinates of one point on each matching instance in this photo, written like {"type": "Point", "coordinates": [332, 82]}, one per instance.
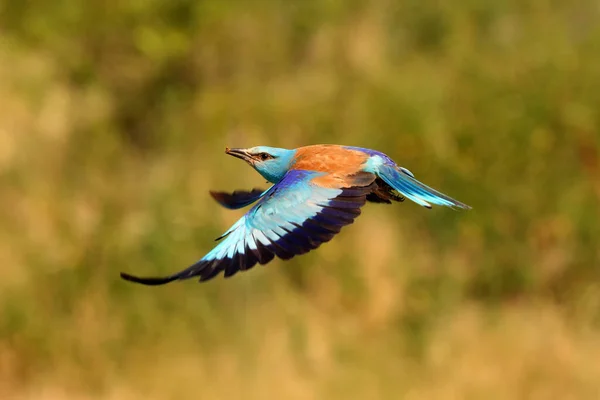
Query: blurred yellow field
{"type": "Point", "coordinates": [113, 122]}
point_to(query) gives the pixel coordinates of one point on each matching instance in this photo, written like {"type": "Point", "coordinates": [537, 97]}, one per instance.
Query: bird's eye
{"type": "Point", "coordinates": [264, 156]}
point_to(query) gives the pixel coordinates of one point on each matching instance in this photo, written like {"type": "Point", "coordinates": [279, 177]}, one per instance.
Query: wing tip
{"type": "Point", "coordinates": [219, 197]}
{"type": "Point", "coordinates": [148, 281]}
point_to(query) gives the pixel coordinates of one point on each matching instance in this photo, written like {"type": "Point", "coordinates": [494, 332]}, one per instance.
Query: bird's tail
{"type": "Point", "coordinates": [403, 181]}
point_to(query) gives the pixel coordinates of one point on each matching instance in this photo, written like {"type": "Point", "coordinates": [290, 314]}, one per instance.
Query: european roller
{"type": "Point", "coordinates": [316, 191]}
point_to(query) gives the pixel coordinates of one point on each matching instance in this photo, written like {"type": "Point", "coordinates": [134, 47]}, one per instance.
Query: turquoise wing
{"type": "Point", "coordinates": [293, 217]}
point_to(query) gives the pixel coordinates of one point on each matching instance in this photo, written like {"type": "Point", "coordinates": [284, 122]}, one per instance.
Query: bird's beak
{"type": "Point", "coordinates": [239, 153]}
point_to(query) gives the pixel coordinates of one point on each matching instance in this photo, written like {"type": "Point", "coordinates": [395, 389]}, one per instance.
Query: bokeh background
{"type": "Point", "coordinates": [113, 120]}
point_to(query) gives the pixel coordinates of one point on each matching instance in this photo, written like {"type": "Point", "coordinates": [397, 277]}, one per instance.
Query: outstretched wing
{"type": "Point", "coordinates": [237, 199]}
{"type": "Point", "coordinates": [298, 214]}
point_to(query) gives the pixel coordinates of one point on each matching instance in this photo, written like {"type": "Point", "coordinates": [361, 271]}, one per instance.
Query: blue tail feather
{"type": "Point", "coordinates": [414, 190]}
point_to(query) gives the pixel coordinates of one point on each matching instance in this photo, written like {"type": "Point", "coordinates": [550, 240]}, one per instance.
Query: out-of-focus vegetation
{"type": "Point", "coordinates": [113, 120]}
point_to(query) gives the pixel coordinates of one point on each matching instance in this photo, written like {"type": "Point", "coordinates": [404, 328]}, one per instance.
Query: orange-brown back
{"type": "Point", "coordinates": [342, 165]}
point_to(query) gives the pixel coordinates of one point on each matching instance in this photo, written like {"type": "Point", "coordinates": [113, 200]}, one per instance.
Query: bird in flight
{"type": "Point", "coordinates": [316, 191]}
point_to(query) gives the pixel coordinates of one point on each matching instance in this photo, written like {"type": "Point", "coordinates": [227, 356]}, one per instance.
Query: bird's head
{"type": "Point", "coordinates": [271, 162]}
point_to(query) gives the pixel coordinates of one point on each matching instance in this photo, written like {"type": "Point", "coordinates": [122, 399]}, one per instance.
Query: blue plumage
{"type": "Point", "coordinates": [415, 190]}
{"type": "Point", "coordinates": [404, 182]}
{"type": "Point", "coordinates": [292, 218]}
{"type": "Point", "coordinates": [317, 190]}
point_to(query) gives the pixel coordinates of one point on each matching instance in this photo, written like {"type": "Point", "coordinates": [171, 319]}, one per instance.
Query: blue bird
{"type": "Point", "coordinates": [317, 190]}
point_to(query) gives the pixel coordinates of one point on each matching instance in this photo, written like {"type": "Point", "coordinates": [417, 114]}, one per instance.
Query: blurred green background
{"type": "Point", "coordinates": [113, 120]}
